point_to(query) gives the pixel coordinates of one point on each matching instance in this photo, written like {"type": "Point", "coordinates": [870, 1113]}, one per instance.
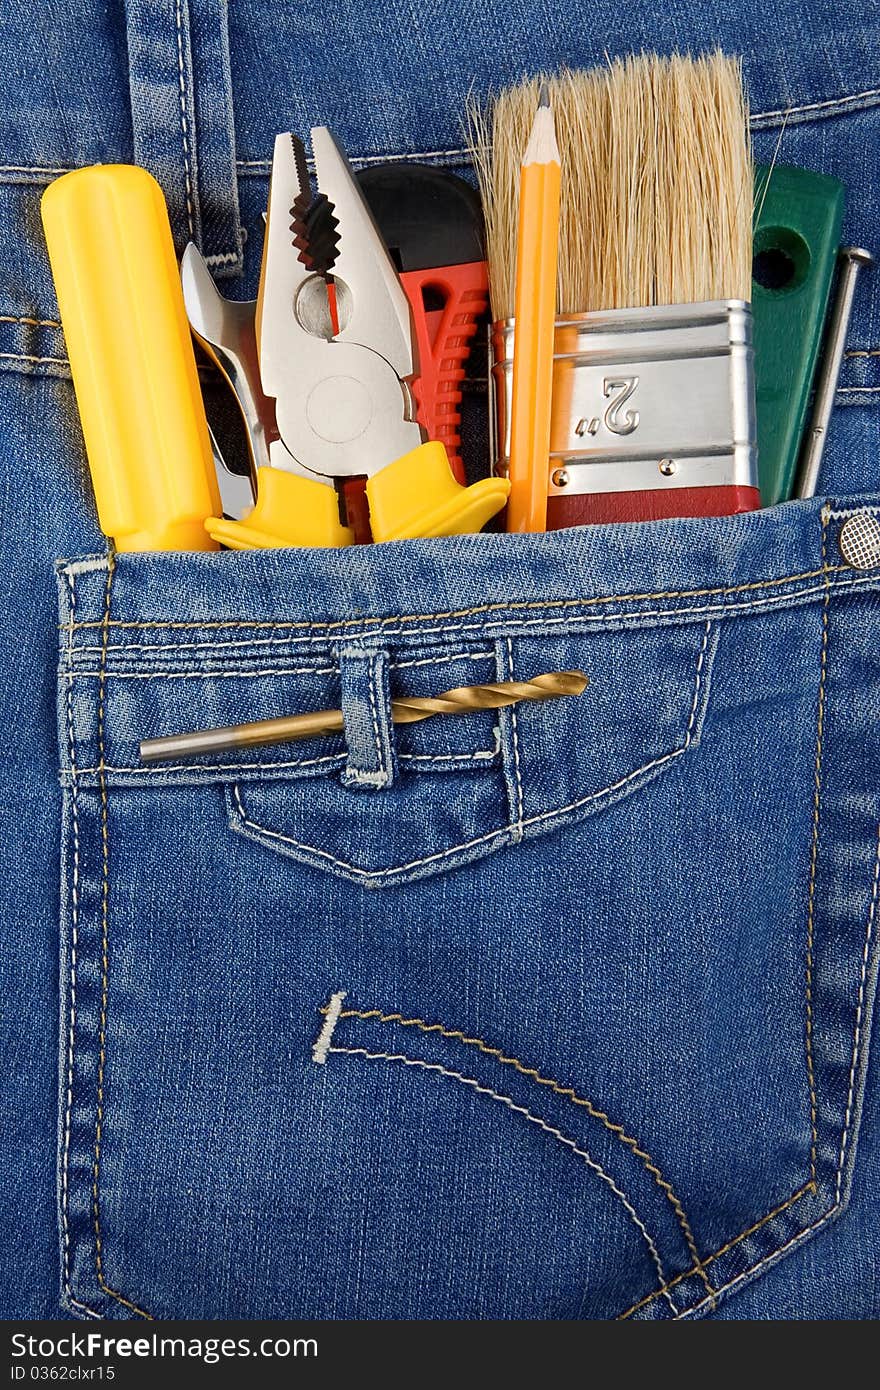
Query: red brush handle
{"type": "Point", "coordinates": [589, 508]}
{"type": "Point", "coordinates": [444, 342]}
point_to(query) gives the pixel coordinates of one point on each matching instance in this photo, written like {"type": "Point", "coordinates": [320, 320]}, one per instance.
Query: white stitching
{"type": "Point", "coordinates": [74, 929]}
{"type": "Point", "coordinates": [533, 1119]}
{"type": "Point", "coordinates": [515, 740]}
{"type": "Point", "coordinates": [857, 390]}
{"type": "Point", "coordinates": [30, 357]}
{"type": "Point", "coordinates": [222, 257]}
{"type": "Point", "coordinates": [697, 683]}
{"type": "Point", "coordinates": [372, 676]}
{"type": "Point", "coordinates": [753, 1269]}
{"type": "Point", "coordinates": [835, 513]}
{"type": "Point", "coordinates": [260, 166]}
{"type": "Point", "coordinates": [214, 768]}
{"type": "Point", "coordinates": [858, 1033]}
{"type": "Point", "coordinates": [464, 152]}
{"type": "Point", "coordinates": [331, 1018]}
{"type": "Point", "coordinates": [368, 779]}
{"type": "Point", "coordinates": [99, 562]}
{"type": "Point", "coordinates": [212, 674]}
{"type": "Point", "coordinates": [382, 626]}
{"type": "Point", "coordinates": [184, 123]}
{"type": "Point", "coordinates": [442, 660]}
{"type": "Point", "coordinates": [92, 564]}
{"type": "Point", "coordinates": [546, 623]}
{"type": "Point", "coordinates": [73, 917]}
{"type": "Point", "coordinates": [482, 754]}
{"type": "Point", "coordinates": [352, 868]}
{"type": "Point", "coordinates": [857, 1043]}
{"type": "Point", "coordinates": [833, 102]}
{"type": "Point", "coordinates": [33, 169]}
{"type": "Point", "coordinates": [393, 870]}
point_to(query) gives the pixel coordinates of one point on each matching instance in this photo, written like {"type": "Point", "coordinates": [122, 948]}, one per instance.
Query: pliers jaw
{"type": "Point", "coordinates": [339, 364]}
{"type": "Point", "coordinates": [337, 358]}
{"type": "Point", "coordinates": [379, 315]}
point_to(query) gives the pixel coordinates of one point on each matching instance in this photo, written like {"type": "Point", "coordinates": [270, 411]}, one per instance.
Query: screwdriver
{"type": "Point", "coordinates": [131, 358]}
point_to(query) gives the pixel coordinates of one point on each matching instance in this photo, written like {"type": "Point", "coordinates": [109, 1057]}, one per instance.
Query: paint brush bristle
{"type": "Point", "coordinates": [656, 203]}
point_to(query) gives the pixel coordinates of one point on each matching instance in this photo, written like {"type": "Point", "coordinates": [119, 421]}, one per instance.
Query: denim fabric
{"type": "Point", "coordinates": [559, 1012]}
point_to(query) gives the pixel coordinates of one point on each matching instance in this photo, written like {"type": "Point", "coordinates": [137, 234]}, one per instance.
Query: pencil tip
{"type": "Point", "coordinates": [542, 147]}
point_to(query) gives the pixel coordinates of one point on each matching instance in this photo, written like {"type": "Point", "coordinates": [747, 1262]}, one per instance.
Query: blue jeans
{"type": "Point", "coordinates": [557, 1012]}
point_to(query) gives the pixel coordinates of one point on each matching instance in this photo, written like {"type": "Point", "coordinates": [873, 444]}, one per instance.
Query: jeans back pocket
{"type": "Point", "coordinates": [564, 1006]}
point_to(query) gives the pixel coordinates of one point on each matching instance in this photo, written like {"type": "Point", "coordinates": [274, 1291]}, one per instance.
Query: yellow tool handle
{"type": "Point", "coordinates": [131, 357]}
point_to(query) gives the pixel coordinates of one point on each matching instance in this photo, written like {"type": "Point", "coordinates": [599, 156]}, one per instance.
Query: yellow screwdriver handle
{"type": "Point", "coordinates": [131, 357]}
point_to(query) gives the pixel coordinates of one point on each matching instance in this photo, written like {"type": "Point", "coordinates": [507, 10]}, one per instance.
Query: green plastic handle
{"type": "Point", "coordinates": [797, 233]}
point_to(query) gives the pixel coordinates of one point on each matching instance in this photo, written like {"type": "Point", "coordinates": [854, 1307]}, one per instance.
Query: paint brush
{"type": "Point", "coordinates": [653, 387]}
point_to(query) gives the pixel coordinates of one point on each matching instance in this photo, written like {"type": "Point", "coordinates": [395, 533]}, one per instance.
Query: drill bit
{"type": "Point", "coordinates": [462, 699]}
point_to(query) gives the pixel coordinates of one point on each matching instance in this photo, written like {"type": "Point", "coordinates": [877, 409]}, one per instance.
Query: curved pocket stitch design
{"type": "Point", "coordinates": [333, 1012]}
{"type": "Point", "coordinates": [555, 1133]}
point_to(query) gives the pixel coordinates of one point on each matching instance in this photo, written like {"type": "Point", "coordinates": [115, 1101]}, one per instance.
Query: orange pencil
{"type": "Point", "coordinates": [535, 316]}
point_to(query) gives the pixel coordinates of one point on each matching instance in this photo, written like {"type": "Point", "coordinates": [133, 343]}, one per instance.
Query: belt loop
{"type": "Point", "coordinates": [366, 711]}
{"type": "Point", "coordinates": [181, 106]}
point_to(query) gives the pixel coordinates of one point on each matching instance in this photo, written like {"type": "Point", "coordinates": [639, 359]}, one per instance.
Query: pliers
{"type": "Point", "coordinates": [336, 358]}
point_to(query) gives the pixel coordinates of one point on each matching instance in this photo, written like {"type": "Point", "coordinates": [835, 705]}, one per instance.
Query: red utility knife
{"type": "Point", "coordinates": [432, 224]}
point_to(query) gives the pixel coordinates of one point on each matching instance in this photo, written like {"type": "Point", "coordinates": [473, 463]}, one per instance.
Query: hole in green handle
{"type": "Point", "coordinates": [780, 260]}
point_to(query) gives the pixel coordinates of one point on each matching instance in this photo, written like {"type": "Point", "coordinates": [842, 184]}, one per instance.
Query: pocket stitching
{"type": "Point", "coordinates": [857, 1037]}
{"type": "Point", "coordinates": [105, 929]}
{"type": "Point", "coordinates": [555, 1133]}
{"type": "Point", "coordinates": [334, 1011]}
{"type": "Point", "coordinates": [858, 1044]}
{"type": "Point", "coordinates": [502, 830]}
{"type": "Point", "coordinates": [546, 604]}
{"type": "Point", "coordinates": [239, 818]}
{"type": "Point", "coordinates": [102, 1026]}
{"type": "Point", "coordinates": [71, 1022]}
{"type": "Point", "coordinates": [854, 101]}
{"type": "Point", "coordinates": [548, 624]}
{"type": "Point", "coordinates": [809, 1187]}
{"type": "Point", "coordinates": [514, 738]}
{"type": "Point", "coordinates": [814, 859]}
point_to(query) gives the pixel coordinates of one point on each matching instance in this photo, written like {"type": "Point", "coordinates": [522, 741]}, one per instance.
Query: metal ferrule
{"type": "Point", "coordinates": [662, 397]}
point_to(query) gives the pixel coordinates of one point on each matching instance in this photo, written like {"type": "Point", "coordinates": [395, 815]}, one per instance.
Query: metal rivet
{"type": "Point", "coordinates": [667, 467]}
{"type": "Point", "coordinates": [560, 477]}
{"type": "Point", "coordinates": [860, 540]}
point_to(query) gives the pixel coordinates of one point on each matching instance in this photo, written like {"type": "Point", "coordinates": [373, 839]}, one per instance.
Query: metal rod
{"type": "Point", "coordinates": [852, 259]}
{"type": "Point", "coordinates": [462, 699]}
